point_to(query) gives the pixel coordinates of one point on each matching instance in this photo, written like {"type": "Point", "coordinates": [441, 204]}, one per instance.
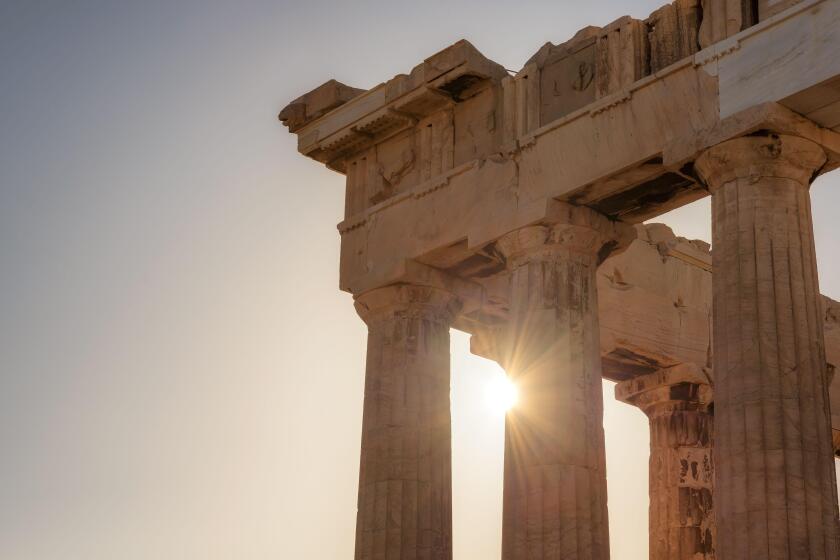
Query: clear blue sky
{"type": "Point", "coordinates": [180, 377]}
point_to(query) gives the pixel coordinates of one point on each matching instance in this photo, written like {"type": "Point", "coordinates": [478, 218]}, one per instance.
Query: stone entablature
{"type": "Point", "coordinates": [592, 121]}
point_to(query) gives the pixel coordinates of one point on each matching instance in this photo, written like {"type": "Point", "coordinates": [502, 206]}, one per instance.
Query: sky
{"type": "Point", "coordinates": [180, 377]}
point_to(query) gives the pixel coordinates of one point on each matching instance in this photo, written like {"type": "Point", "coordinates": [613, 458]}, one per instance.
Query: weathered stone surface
{"type": "Point", "coordinates": [567, 75]}
{"type": "Point", "coordinates": [405, 480]}
{"type": "Point", "coordinates": [758, 68]}
{"type": "Point", "coordinates": [460, 153]}
{"type": "Point", "coordinates": [769, 8]}
{"type": "Point", "coordinates": [673, 33]}
{"type": "Point", "coordinates": [722, 19]}
{"type": "Point", "coordinates": [775, 481]}
{"type": "Point", "coordinates": [831, 328]}
{"type": "Point", "coordinates": [555, 494]}
{"type": "Point", "coordinates": [621, 56]}
{"type": "Point", "coordinates": [678, 402]}
{"type": "Point", "coordinates": [316, 103]}
{"type": "Point", "coordinates": [655, 304]}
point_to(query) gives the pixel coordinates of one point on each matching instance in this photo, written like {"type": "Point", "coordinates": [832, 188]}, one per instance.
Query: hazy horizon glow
{"type": "Point", "coordinates": [180, 377]}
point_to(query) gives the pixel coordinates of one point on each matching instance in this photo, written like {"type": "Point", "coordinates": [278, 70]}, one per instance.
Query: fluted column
{"type": "Point", "coordinates": [835, 433]}
{"type": "Point", "coordinates": [405, 477]}
{"type": "Point", "coordinates": [677, 402]}
{"type": "Point", "coordinates": [775, 485]}
{"type": "Point", "coordinates": [555, 489]}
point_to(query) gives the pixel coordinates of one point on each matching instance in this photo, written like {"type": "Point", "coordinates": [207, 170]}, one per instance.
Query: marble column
{"type": "Point", "coordinates": [775, 487]}
{"type": "Point", "coordinates": [677, 401]}
{"type": "Point", "coordinates": [555, 488]}
{"type": "Point", "coordinates": [405, 480]}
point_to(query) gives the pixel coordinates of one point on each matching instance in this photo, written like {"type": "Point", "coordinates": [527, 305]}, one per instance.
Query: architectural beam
{"type": "Point", "coordinates": [460, 153]}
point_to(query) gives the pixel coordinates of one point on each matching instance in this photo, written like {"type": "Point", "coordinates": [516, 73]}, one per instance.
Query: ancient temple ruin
{"type": "Point", "coordinates": [511, 206]}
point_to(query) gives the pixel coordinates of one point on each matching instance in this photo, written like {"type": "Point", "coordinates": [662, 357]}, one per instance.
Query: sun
{"type": "Point", "coordinates": [501, 393]}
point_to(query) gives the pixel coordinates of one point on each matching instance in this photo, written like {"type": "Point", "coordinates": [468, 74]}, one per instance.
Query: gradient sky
{"type": "Point", "coordinates": [180, 377]}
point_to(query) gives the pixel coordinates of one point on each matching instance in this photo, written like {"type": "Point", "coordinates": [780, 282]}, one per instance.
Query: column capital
{"type": "Point", "coordinates": [407, 300]}
{"type": "Point", "coordinates": [684, 386]}
{"type": "Point", "coordinates": [754, 157]}
{"type": "Point", "coordinates": [576, 229]}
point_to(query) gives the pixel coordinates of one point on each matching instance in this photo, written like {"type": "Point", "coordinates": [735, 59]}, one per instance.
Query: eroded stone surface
{"type": "Point", "coordinates": [775, 481]}
{"type": "Point", "coordinates": [460, 152]}
{"type": "Point", "coordinates": [316, 103]}
{"type": "Point", "coordinates": [405, 480]}
{"type": "Point", "coordinates": [678, 402]}
{"type": "Point", "coordinates": [555, 486]}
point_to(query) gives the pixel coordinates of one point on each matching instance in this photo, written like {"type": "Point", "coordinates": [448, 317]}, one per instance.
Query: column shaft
{"type": "Point", "coordinates": [775, 482]}
{"type": "Point", "coordinates": [405, 481]}
{"type": "Point", "coordinates": [555, 494]}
